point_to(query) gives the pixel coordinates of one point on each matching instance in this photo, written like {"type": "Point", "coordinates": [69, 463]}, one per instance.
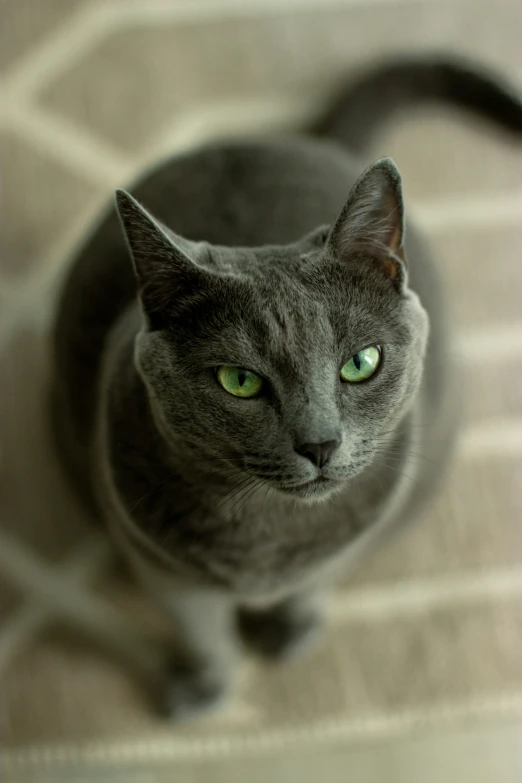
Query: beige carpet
{"type": "Point", "coordinates": [427, 635]}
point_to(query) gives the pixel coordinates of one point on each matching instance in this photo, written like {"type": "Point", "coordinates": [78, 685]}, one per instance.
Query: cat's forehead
{"type": "Point", "coordinates": [287, 335]}
{"type": "Point", "coordinates": [267, 313]}
{"type": "Point", "coordinates": [295, 290]}
{"type": "Point", "coordinates": [283, 296]}
{"type": "Point", "coordinates": [282, 302]}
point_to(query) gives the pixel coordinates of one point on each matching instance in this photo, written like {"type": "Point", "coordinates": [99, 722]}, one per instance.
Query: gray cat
{"type": "Point", "coordinates": [245, 424]}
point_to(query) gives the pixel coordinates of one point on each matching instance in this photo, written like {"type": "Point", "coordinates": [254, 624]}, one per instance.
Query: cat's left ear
{"type": "Point", "coordinates": [372, 220]}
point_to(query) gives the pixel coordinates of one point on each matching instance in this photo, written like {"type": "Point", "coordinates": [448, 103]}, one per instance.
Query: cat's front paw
{"type": "Point", "coordinates": [191, 689]}
{"type": "Point", "coordinates": [279, 633]}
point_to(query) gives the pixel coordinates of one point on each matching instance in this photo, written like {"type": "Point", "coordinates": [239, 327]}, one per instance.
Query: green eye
{"type": "Point", "coordinates": [238, 381]}
{"type": "Point", "coordinates": [362, 365]}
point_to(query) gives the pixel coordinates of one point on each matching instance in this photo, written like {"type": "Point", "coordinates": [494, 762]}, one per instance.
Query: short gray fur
{"type": "Point", "coordinates": [286, 259]}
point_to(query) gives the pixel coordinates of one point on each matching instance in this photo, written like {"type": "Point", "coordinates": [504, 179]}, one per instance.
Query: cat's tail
{"type": "Point", "coordinates": [362, 108]}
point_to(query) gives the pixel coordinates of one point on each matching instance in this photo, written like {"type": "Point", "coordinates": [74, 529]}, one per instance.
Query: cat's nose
{"type": "Point", "coordinates": [318, 453]}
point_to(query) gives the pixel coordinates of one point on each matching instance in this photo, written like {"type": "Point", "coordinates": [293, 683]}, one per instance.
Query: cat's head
{"type": "Point", "coordinates": [285, 363]}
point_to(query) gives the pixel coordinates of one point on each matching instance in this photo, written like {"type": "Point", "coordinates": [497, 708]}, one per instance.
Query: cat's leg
{"type": "Point", "coordinates": [204, 651]}
{"type": "Point", "coordinates": [202, 640]}
{"type": "Point", "coordinates": [282, 630]}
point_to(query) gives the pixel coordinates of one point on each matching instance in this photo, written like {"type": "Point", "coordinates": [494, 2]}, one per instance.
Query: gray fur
{"type": "Point", "coordinates": [286, 261]}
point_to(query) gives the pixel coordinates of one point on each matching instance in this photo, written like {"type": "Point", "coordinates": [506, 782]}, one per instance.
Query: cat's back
{"type": "Point", "coordinates": [235, 193]}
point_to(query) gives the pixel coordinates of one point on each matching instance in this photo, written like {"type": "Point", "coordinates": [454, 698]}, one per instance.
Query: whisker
{"type": "Point", "coordinates": [397, 453]}
{"type": "Point", "coordinates": [252, 482]}
{"type": "Point", "coordinates": [150, 492]}
{"type": "Point", "coordinates": [396, 470]}
{"type": "Point", "coordinates": [234, 491]}
{"type": "Point", "coordinates": [250, 495]}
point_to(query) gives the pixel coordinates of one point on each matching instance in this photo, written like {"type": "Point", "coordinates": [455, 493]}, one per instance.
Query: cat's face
{"type": "Point", "coordinates": [286, 364]}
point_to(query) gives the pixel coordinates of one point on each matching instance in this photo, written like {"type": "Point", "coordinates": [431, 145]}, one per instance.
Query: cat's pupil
{"type": "Point", "coordinates": [241, 377]}
{"type": "Point", "coordinates": [357, 361]}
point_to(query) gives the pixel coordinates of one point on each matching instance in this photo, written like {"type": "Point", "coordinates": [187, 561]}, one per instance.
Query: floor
{"type": "Point", "coordinates": [419, 677]}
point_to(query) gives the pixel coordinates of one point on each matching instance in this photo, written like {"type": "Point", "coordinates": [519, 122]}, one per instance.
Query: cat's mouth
{"type": "Point", "coordinates": [317, 488]}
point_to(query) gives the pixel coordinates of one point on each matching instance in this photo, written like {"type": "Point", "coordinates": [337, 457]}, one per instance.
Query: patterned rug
{"type": "Point", "coordinates": [427, 633]}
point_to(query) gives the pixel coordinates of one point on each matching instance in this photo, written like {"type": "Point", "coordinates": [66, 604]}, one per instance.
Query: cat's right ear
{"type": "Point", "coordinates": [165, 270]}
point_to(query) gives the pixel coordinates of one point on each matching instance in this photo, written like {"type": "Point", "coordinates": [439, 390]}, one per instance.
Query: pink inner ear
{"type": "Point", "coordinates": [396, 241]}
{"type": "Point", "coordinates": [372, 218]}
{"type": "Point", "coordinates": [391, 268]}
{"type": "Point", "coordinates": [392, 264]}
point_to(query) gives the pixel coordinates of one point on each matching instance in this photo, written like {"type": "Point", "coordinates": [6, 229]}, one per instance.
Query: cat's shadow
{"type": "Point", "coordinates": [40, 516]}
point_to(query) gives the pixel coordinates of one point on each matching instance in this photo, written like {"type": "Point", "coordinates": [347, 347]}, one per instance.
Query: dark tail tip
{"type": "Point", "coordinates": [389, 89]}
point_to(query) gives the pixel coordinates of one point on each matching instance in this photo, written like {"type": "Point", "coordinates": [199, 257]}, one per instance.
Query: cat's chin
{"type": "Point", "coordinates": [315, 491]}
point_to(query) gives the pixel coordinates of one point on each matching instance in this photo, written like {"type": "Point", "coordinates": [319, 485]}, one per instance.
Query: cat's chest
{"type": "Point", "coordinates": [256, 551]}
{"type": "Point", "coordinates": [254, 545]}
